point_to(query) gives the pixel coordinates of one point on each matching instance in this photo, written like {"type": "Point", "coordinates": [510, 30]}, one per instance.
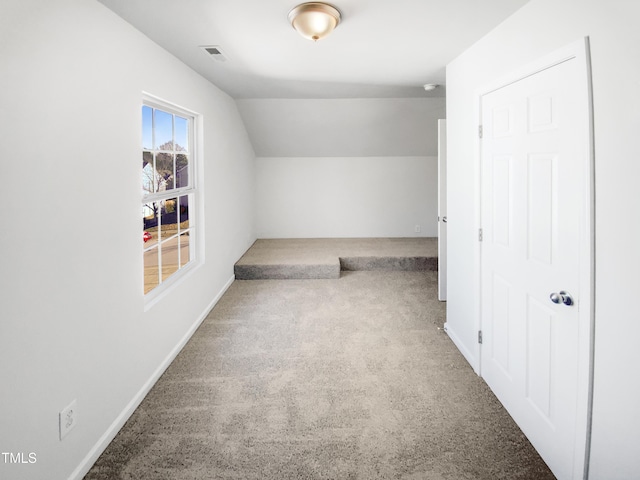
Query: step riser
{"type": "Point", "coordinates": [349, 264]}
{"type": "Point", "coordinates": [285, 272]}
{"type": "Point", "coordinates": [404, 264]}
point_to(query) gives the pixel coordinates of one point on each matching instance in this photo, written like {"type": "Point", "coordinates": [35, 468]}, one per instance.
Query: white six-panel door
{"type": "Point", "coordinates": [533, 192]}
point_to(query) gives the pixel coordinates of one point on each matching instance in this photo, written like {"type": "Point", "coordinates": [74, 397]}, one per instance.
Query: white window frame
{"type": "Point", "coordinates": [193, 191]}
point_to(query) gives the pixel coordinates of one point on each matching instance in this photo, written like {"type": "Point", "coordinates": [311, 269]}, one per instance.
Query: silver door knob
{"type": "Point", "coordinates": [561, 297]}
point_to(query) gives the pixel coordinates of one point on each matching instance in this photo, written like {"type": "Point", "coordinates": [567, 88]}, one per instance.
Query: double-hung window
{"type": "Point", "coordinates": [168, 193]}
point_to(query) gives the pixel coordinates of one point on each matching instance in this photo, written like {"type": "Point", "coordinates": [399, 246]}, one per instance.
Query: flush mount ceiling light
{"type": "Point", "coordinates": [430, 86]}
{"type": "Point", "coordinates": [314, 20]}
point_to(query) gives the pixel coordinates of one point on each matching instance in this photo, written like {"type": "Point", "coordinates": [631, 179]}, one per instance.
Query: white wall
{"type": "Point", "coordinates": [343, 127]}
{"type": "Point", "coordinates": [313, 197]}
{"type": "Point", "coordinates": [350, 167]}
{"type": "Point", "coordinates": [536, 30]}
{"type": "Point", "coordinates": [72, 321]}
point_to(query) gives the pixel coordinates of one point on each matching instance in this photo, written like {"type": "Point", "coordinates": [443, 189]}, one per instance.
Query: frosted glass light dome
{"type": "Point", "coordinates": [314, 20]}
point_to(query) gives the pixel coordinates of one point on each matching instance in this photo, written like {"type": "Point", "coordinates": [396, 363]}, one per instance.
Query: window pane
{"type": "Point", "coordinates": [184, 249]}
{"type": "Point", "coordinates": [169, 218]}
{"type": "Point", "coordinates": [149, 180]}
{"type": "Point", "coordinates": [163, 130]}
{"type": "Point", "coordinates": [182, 170]}
{"type": "Point", "coordinates": [184, 212]}
{"type": "Point", "coordinates": [150, 224]}
{"type": "Point", "coordinates": [169, 257]}
{"type": "Point", "coordinates": [182, 134]}
{"type": "Point", "coordinates": [147, 128]}
{"type": "Point", "coordinates": [164, 168]}
{"type": "Point", "coordinates": [151, 277]}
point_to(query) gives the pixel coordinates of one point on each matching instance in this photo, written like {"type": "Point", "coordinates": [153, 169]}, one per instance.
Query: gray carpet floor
{"type": "Point", "coordinates": [351, 378]}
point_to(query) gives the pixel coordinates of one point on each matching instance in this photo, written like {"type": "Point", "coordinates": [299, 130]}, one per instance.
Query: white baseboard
{"type": "Point", "coordinates": [466, 353]}
{"type": "Point", "coordinates": [121, 419]}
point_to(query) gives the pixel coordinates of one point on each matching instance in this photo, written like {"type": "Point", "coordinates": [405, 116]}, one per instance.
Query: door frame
{"type": "Point", "coordinates": [442, 210]}
{"type": "Point", "coordinates": [578, 51]}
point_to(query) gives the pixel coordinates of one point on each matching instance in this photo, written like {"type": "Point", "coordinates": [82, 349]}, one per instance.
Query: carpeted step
{"type": "Point", "coordinates": [348, 264]}
{"type": "Point", "coordinates": [325, 258]}
{"type": "Point", "coordinates": [406, 264]}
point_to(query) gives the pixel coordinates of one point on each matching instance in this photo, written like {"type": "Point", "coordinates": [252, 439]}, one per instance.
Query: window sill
{"type": "Point", "coordinates": [167, 287]}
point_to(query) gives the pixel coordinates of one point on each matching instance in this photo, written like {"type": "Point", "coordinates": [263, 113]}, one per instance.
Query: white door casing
{"type": "Point", "coordinates": [536, 220]}
{"type": "Point", "coordinates": [442, 210]}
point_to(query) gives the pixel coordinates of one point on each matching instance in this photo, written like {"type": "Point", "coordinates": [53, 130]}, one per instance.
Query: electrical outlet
{"type": "Point", "coordinates": [68, 418]}
{"type": "Point", "coordinates": [417, 229]}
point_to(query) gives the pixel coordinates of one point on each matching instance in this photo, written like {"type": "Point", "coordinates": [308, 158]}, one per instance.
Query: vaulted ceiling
{"type": "Point", "coordinates": [382, 48]}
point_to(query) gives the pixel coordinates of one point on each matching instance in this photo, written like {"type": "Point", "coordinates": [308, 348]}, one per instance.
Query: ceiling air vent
{"type": "Point", "coordinates": [214, 52]}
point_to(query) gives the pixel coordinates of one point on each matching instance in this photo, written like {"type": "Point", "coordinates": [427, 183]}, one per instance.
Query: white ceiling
{"type": "Point", "coordinates": [382, 48]}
